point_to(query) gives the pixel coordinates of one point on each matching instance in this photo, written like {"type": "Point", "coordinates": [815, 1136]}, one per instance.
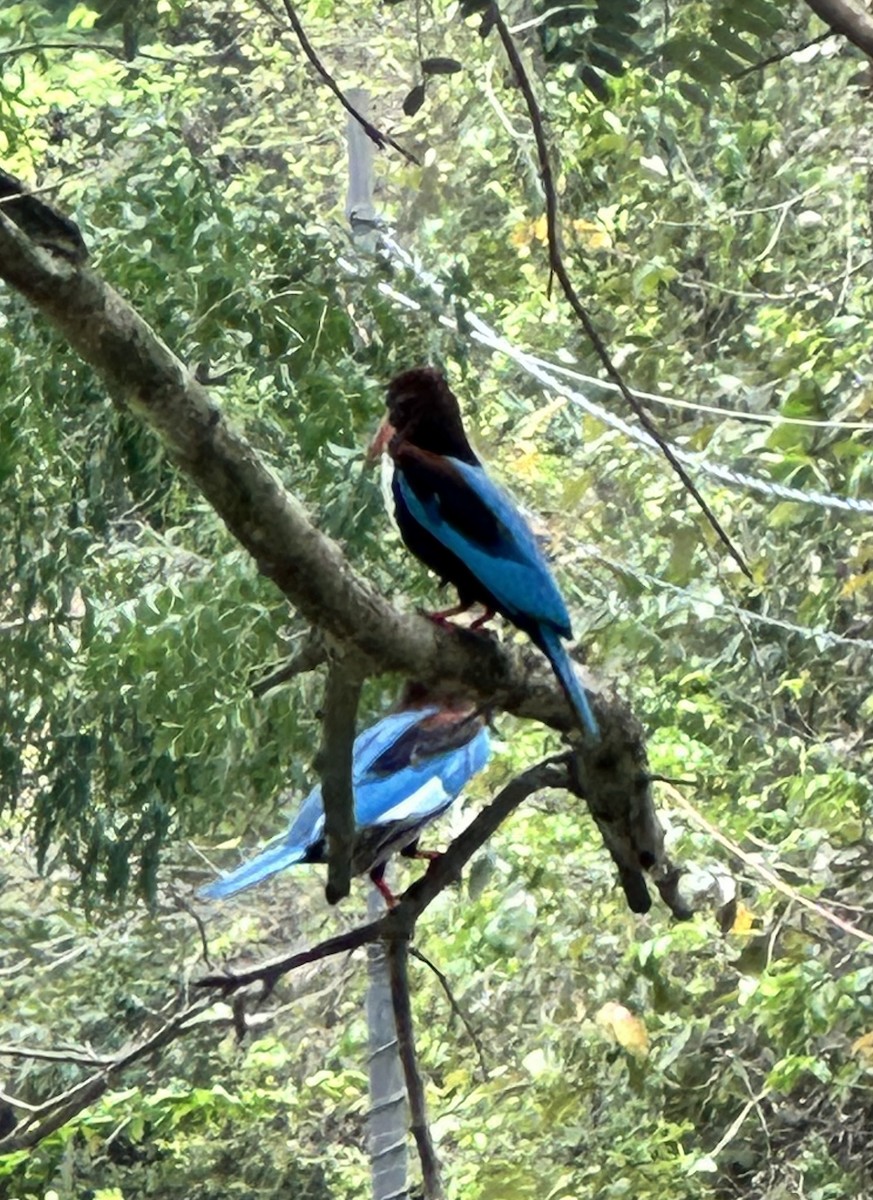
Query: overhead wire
{"type": "Point", "coordinates": [541, 370]}
{"type": "Point", "coordinates": [544, 372]}
{"type": "Point", "coordinates": [823, 636]}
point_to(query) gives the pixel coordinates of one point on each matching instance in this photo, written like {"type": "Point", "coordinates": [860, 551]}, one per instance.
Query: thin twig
{"type": "Point", "coordinates": [104, 47]}
{"type": "Point", "coordinates": [311, 654]}
{"type": "Point", "coordinates": [185, 906]}
{"type": "Point", "coordinates": [376, 135]}
{"type": "Point", "coordinates": [270, 972]}
{"type": "Point", "coordinates": [397, 954]}
{"type": "Point", "coordinates": [556, 263]}
{"type": "Point", "coordinates": [455, 1007]}
{"type": "Point", "coordinates": [780, 56]}
{"type": "Point", "coordinates": [83, 1059]}
{"type": "Point", "coordinates": [764, 872]}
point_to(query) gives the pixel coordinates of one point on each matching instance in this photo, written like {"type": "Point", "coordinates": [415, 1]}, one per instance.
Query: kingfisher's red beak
{"type": "Point", "coordinates": [379, 444]}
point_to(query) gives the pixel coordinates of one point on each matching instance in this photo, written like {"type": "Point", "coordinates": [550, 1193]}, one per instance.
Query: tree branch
{"type": "Point", "coordinates": [397, 953]}
{"type": "Point", "coordinates": [844, 17]}
{"type": "Point", "coordinates": [375, 135]}
{"type": "Point", "coordinates": [556, 263]}
{"type": "Point", "coordinates": [45, 1118]}
{"type": "Point", "coordinates": [345, 678]}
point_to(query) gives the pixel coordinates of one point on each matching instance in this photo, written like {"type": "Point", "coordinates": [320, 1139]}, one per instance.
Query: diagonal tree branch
{"type": "Point", "coordinates": [142, 373]}
{"type": "Point", "coordinates": [559, 269]}
{"type": "Point", "coordinates": [847, 18]}
{"type": "Point", "coordinates": [45, 1118]}
{"type": "Point", "coordinates": [377, 136]}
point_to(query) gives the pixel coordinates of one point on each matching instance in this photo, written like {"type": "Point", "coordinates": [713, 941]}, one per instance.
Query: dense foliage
{"type": "Point", "coordinates": [717, 223]}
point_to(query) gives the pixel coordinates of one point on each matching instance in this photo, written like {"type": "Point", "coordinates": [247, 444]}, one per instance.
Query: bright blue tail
{"type": "Point", "coordinates": [562, 664]}
{"type": "Point", "coordinates": [273, 858]}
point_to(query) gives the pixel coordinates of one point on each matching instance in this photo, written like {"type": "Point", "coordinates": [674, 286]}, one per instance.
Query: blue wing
{"type": "Point", "coordinates": [424, 779]}
{"type": "Point", "coordinates": [425, 787]}
{"type": "Point", "coordinates": [468, 515]}
{"type": "Point", "coordinates": [370, 745]}
{"type": "Point", "coordinates": [479, 523]}
{"type": "Point", "coordinates": [400, 807]}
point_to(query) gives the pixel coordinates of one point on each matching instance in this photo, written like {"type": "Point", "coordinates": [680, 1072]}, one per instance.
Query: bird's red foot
{"type": "Point", "coordinates": [441, 618]}
{"type": "Point", "coordinates": [377, 878]}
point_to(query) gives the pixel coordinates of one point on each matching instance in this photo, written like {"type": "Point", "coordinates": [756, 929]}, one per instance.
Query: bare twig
{"type": "Point", "coordinates": [77, 1058]}
{"type": "Point", "coordinates": [118, 52]}
{"type": "Point", "coordinates": [397, 952]}
{"type": "Point", "coordinates": [269, 973]}
{"type": "Point", "coordinates": [780, 56]}
{"type": "Point", "coordinates": [58, 1110]}
{"type": "Point", "coordinates": [311, 654]}
{"type": "Point", "coordinates": [556, 263]}
{"type": "Point", "coordinates": [455, 1007]}
{"type": "Point", "coordinates": [376, 135]}
{"type": "Point", "coordinates": [184, 905]}
{"type": "Point", "coordinates": [345, 678]}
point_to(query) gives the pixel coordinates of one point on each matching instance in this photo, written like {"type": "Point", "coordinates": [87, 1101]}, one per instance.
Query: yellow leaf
{"type": "Point", "coordinates": [529, 231]}
{"type": "Point", "coordinates": [527, 465]}
{"type": "Point", "coordinates": [744, 920]}
{"type": "Point", "coordinates": [593, 237]}
{"type": "Point", "coordinates": [522, 234]}
{"type": "Point", "coordinates": [863, 1048]}
{"type": "Point", "coordinates": [857, 583]}
{"type": "Point", "coordinates": [624, 1028]}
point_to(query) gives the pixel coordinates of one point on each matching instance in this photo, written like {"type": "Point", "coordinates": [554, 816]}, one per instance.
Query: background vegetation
{"type": "Point", "coordinates": [717, 221]}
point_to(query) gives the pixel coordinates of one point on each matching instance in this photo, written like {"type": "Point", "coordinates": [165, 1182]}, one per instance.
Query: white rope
{"type": "Point", "coordinates": [532, 365]}
{"type": "Point", "coordinates": [542, 371]}
{"type": "Point", "coordinates": [825, 637]}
